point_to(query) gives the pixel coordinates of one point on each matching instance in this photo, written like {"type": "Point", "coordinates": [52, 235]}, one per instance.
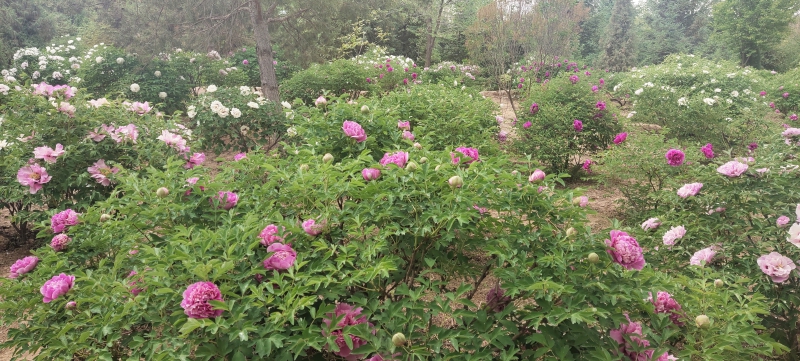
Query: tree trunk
{"type": "Point", "coordinates": [269, 81]}
{"type": "Point", "coordinates": [432, 34]}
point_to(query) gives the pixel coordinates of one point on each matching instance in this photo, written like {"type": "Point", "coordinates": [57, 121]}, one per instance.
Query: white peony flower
{"type": "Point", "coordinates": [4, 144]}
{"type": "Point", "coordinates": [683, 101]}
{"type": "Point", "coordinates": [253, 105]}
{"type": "Point", "coordinates": [216, 106]}
{"type": "Point", "coordinates": [223, 112]}
{"type": "Point", "coordinates": [120, 60]}
{"type": "Point", "coordinates": [638, 91]}
{"type": "Point", "coordinates": [735, 94]}
{"type": "Point", "coordinates": [157, 74]}
{"type": "Point", "coordinates": [709, 101]}
{"type": "Point", "coordinates": [98, 59]}
{"type": "Point", "coordinates": [245, 90]}
{"type": "Point", "coordinates": [291, 132]}
{"type": "Point", "coordinates": [211, 88]}
{"type": "Point", "coordinates": [135, 88]}
{"type": "Point", "coordinates": [286, 105]}
{"type": "Point", "coordinates": [162, 95]}
{"type": "Point", "coordinates": [236, 113]}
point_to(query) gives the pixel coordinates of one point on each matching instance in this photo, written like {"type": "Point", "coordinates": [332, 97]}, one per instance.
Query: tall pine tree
{"type": "Point", "coordinates": [618, 52]}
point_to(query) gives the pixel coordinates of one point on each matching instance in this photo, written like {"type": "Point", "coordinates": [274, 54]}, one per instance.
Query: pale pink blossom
{"type": "Point", "coordinates": [674, 234]}
{"type": "Point", "coordinates": [23, 266]}
{"type": "Point", "coordinates": [311, 227]}
{"type": "Point", "coordinates": [33, 176]}
{"type": "Point", "coordinates": [651, 223]}
{"type": "Point", "coordinates": [732, 168]}
{"type": "Point", "coordinates": [100, 172]}
{"type": "Point", "coordinates": [195, 160]}
{"type": "Point", "coordinates": [282, 258]}
{"type": "Point", "coordinates": [404, 125]}
{"type": "Point", "coordinates": [48, 154]}
{"type": "Point", "coordinates": [782, 221]}
{"type": "Point", "coordinates": [370, 174]}
{"type": "Point", "coordinates": [690, 189]}
{"type": "Point", "coordinates": [140, 108]}
{"type": "Point", "coordinates": [408, 135]}
{"type": "Point", "coordinates": [703, 256]}
{"type": "Point", "coordinates": [269, 235]}
{"type": "Point", "coordinates": [56, 287]}
{"type": "Point", "coordinates": [776, 266]}
{"type": "Point", "coordinates": [239, 156]}
{"type": "Point", "coordinates": [174, 140]}
{"type": "Point", "coordinates": [537, 176]}
{"type": "Point", "coordinates": [128, 132]}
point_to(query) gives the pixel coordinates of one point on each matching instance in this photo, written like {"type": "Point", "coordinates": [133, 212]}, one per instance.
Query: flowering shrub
{"type": "Point", "coordinates": [338, 77]}
{"type": "Point", "coordinates": [563, 120]}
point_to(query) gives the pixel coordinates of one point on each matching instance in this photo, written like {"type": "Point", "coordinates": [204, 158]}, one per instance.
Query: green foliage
{"type": "Point", "coordinates": [550, 137]}
{"type": "Point", "coordinates": [618, 47]}
{"type": "Point", "coordinates": [338, 77]}
{"type": "Point", "coordinates": [673, 26]}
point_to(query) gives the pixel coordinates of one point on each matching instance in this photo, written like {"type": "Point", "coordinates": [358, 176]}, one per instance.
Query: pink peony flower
{"type": "Point", "coordinates": [664, 303]}
{"type": "Point", "coordinates": [370, 174]}
{"type": "Point", "coordinates": [48, 154]}
{"type": "Point", "coordinates": [496, 299]}
{"type": "Point", "coordinates": [674, 157]}
{"type": "Point", "coordinates": [408, 135]}
{"type": "Point", "coordinates": [690, 189]}
{"type": "Point", "coordinates": [782, 221]}
{"type": "Point", "coordinates": [536, 176]}
{"type": "Point", "coordinates": [674, 234]}
{"type": "Point", "coordinates": [100, 172]}
{"type": "Point", "coordinates": [708, 151]}
{"type": "Point", "coordinates": [472, 153]}
{"type": "Point", "coordinates": [651, 223]}
{"type": "Point", "coordinates": [174, 140]}
{"type": "Point", "coordinates": [620, 138]}
{"type": "Point", "coordinates": [404, 125]}
{"type": "Point", "coordinates": [732, 169]}
{"type": "Point", "coordinates": [128, 132]}
{"type": "Point", "coordinates": [60, 242]}
{"type": "Point", "coordinates": [282, 258]}
{"type": "Point", "coordinates": [574, 79]}
{"type": "Point", "coordinates": [56, 286]}
{"type": "Point", "coordinates": [270, 235]}
{"type": "Point", "coordinates": [577, 125]}
{"type": "Point", "coordinates": [703, 256]}
{"type": "Point", "coordinates": [195, 300]}
{"type": "Point", "coordinates": [776, 266]}
{"type": "Point", "coordinates": [312, 228]}
{"type": "Point", "coordinates": [62, 220]}
{"type": "Point", "coordinates": [195, 160]}
{"type": "Point", "coordinates": [135, 291]}
{"type": "Point", "coordinates": [534, 108]}
{"type": "Point", "coordinates": [239, 156]}
{"type": "Point", "coordinates": [785, 95]}
{"type": "Point", "coordinates": [762, 93]}
{"type": "Point", "coordinates": [140, 108]}
{"type": "Point", "coordinates": [587, 165]}
{"type": "Point", "coordinates": [594, 88]}
{"type": "Point", "coordinates": [601, 105]}
{"type": "Point", "coordinates": [527, 124]}
{"type": "Point", "coordinates": [245, 62]}
{"type": "Point", "coordinates": [225, 200]}
{"type": "Point", "coordinates": [33, 176]}
{"type": "Point", "coordinates": [398, 158]}
{"type": "Point", "coordinates": [629, 334]}
{"type": "Point", "coordinates": [354, 130]}
{"type": "Point", "coordinates": [793, 117]}
{"type": "Point", "coordinates": [481, 210]}
{"type": "Point", "coordinates": [625, 250]}
{"type": "Point", "coordinates": [794, 234]}
{"type": "Point", "coordinates": [346, 316]}
{"type": "Point", "coordinates": [23, 266]}
{"type": "Point", "coordinates": [321, 101]}
{"type": "Point", "coordinates": [502, 136]}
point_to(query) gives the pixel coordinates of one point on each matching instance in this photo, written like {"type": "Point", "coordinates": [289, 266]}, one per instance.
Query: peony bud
{"type": "Point", "coordinates": [105, 217]}
{"type": "Point", "coordinates": [536, 176]}
{"type": "Point", "coordinates": [327, 158]}
{"type": "Point", "coordinates": [162, 192]}
{"type": "Point", "coordinates": [304, 167]}
{"type": "Point", "coordinates": [437, 168]}
{"type": "Point", "coordinates": [417, 146]}
{"type": "Point", "coordinates": [71, 305]}
{"type": "Point", "coordinates": [455, 182]}
{"type": "Point", "coordinates": [514, 172]}
{"type": "Point", "coordinates": [571, 232]}
{"type": "Point", "coordinates": [411, 166]}
{"type": "Point", "coordinates": [321, 102]}
{"type": "Point", "coordinates": [364, 109]}
{"type": "Point", "coordinates": [594, 258]}
{"type": "Point", "coordinates": [423, 160]}
{"type": "Point", "coordinates": [718, 283]}
{"type": "Point", "coordinates": [399, 339]}
{"type": "Point", "coordinates": [702, 321]}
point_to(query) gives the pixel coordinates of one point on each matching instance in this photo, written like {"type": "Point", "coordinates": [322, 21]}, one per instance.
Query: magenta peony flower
{"type": "Point", "coordinates": [772, 105]}
{"type": "Point", "coordinates": [793, 117]}
{"type": "Point", "coordinates": [174, 140]}
{"type": "Point", "coordinates": [620, 138]}
{"type": "Point", "coordinates": [732, 169]}
{"type": "Point", "coordinates": [527, 124]}
{"type": "Point", "coordinates": [651, 223]}
{"type": "Point", "coordinates": [312, 228]}
{"type": "Point", "coordinates": [60, 242]}
{"type": "Point", "coordinates": [225, 200]}
{"type": "Point", "coordinates": [245, 62]}
{"type": "Point", "coordinates": [62, 220]}
{"type": "Point", "coordinates": [195, 160]}
{"type": "Point", "coordinates": [601, 105]}
{"type": "Point", "coordinates": [594, 88]}
{"type": "Point", "coordinates": [708, 151]}
{"type": "Point", "coordinates": [48, 154]}
{"type": "Point", "coordinates": [239, 156]}
{"type": "Point", "coordinates": [587, 165]}
{"type": "Point", "coordinates": [33, 176]}
{"type": "Point", "coordinates": [762, 93]}
{"type": "Point", "coordinates": [282, 258]}
{"type": "Point", "coordinates": [398, 158]}
{"type": "Point", "coordinates": [23, 266]}
{"type": "Point", "coordinates": [404, 125]}
{"type": "Point", "coordinates": [776, 266]}
{"type": "Point", "coordinates": [703, 256]}
{"type": "Point", "coordinates": [752, 146]}
{"type": "Point", "coordinates": [472, 153]}
{"type": "Point", "coordinates": [574, 79]}
{"type": "Point", "coordinates": [536, 176]}
{"type": "Point", "coordinates": [408, 135]}
{"type": "Point", "coordinates": [674, 157]}
{"type": "Point", "coordinates": [354, 130]}
{"type": "Point", "coordinates": [135, 291]}
{"type": "Point", "coordinates": [690, 189]}
{"type": "Point", "coordinates": [56, 286]}
{"type": "Point", "coordinates": [496, 299]}
{"type": "Point", "coordinates": [674, 234]}
{"type": "Point", "coordinates": [629, 334]}
{"type": "Point", "coordinates": [664, 303]}
{"type": "Point", "coordinates": [782, 221]}
{"type": "Point", "coordinates": [370, 174]}
{"type": "Point", "coordinates": [195, 300]}
{"type": "Point", "coordinates": [140, 108]}
{"type": "Point", "coordinates": [577, 125]}
{"type": "Point", "coordinates": [785, 95]}
{"type": "Point", "coordinates": [534, 108]}
{"type": "Point", "coordinates": [502, 136]}
{"type": "Point", "coordinates": [347, 316]}
{"type": "Point", "coordinates": [269, 235]}
{"type": "Point", "coordinates": [625, 250]}
{"type": "Point", "coordinates": [100, 172]}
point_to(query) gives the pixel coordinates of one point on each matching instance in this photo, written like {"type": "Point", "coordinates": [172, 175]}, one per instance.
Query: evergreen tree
{"type": "Point", "coordinates": [673, 26]}
{"type": "Point", "coordinates": [618, 52]}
